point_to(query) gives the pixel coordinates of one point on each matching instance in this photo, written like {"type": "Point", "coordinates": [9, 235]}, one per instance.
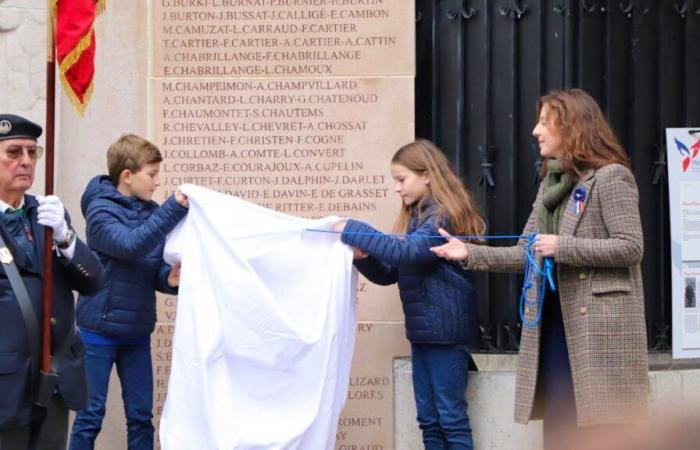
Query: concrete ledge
{"type": "Point", "coordinates": [490, 396]}
{"type": "Point", "coordinates": [489, 362]}
{"type": "Point", "coordinates": [665, 361]}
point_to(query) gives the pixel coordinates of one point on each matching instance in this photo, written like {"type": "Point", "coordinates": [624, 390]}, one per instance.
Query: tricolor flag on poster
{"type": "Point", "coordinates": [688, 155]}
{"type": "Point", "coordinates": [75, 47]}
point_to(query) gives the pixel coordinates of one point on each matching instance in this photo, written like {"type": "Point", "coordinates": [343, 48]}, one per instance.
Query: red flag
{"type": "Point", "coordinates": [75, 47]}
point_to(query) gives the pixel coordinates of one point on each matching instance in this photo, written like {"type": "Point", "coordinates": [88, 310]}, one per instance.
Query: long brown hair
{"type": "Point", "coordinates": [446, 189]}
{"type": "Point", "coordinates": [588, 142]}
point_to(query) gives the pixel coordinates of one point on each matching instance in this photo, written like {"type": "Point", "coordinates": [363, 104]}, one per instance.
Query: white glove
{"type": "Point", "coordinates": [51, 213]}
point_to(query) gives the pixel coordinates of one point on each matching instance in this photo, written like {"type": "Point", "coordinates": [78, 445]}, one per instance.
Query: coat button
{"type": "Point", "coordinates": [583, 310]}
{"type": "Point", "coordinates": [582, 276]}
{"type": "Point", "coordinates": [53, 321]}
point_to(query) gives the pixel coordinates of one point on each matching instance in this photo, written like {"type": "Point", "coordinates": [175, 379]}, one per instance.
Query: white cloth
{"type": "Point", "coordinates": [265, 329]}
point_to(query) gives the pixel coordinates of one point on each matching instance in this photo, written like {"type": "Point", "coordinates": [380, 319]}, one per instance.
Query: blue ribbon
{"type": "Point", "coordinates": [544, 277]}
{"type": "Point", "coordinates": [419, 236]}
{"type": "Point", "coordinates": [532, 271]}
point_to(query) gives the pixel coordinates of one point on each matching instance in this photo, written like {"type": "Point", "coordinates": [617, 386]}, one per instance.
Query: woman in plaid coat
{"type": "Point", "coordinates": [585, 363]}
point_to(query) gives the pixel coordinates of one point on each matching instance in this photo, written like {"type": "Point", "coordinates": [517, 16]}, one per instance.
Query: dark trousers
{"type": "Point", "coordinates": [49, 434]}
{"type": "Point", "coordinates": [555, 385]}
{"type": "Point", "coordinates": [136, 376]}
{"type": "Point", "coordinates": [439, 383]}
{"type": "Point", "coordinates": [15, 438]}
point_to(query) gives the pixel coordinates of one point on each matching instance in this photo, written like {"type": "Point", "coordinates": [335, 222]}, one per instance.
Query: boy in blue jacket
{"type": "Point", "coordinates": [127, 231]}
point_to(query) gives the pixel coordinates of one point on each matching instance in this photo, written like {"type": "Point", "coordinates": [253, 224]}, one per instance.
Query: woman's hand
{"type": "Point", "coordinates": [546, 244]}
{"type": "Point", "coordinates": [454, 250]}
{"type": "Point", "coordinates": [174, 275]}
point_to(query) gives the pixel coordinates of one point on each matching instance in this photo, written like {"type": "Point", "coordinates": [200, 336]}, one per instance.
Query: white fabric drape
{"type": "Point", "coordinates": [265, 329]}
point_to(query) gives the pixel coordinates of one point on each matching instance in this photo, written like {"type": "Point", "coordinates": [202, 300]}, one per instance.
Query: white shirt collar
{"type": "Point", "coordinates": [4, 206]}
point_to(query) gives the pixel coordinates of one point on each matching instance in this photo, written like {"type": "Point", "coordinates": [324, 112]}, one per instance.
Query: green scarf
{"type": "Point", "coordinates": [557, 187]}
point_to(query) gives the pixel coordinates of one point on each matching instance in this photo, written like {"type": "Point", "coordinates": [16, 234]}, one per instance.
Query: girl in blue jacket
{"type": "Point", "coordinates": [438, 297]}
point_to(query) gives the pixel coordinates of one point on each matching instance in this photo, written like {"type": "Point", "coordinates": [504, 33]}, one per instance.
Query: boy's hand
{"type": "Point", "coordinates": [51, 213]}
{"type": "Point", "coordinates": [174, 275]}
{"type": "Point", "coordinates": [182, 199]}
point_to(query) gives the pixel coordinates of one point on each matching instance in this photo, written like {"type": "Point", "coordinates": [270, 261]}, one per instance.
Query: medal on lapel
{"type": "Point", "coordinates": [5, 255]}
{"type": "Point", "coordinates": [579, 200]}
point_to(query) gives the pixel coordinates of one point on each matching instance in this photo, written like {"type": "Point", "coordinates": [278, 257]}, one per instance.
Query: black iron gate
{"type": "Point", "coordinates": [481, 65]}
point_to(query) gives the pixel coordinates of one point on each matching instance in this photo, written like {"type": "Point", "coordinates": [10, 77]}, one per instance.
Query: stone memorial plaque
{"type": "Point", "coordinates": [331, 157]}
{"type": "Point", "coordinates": [367, 422]}
{"type": "Point", "coordinates": [296, 105]}
{"type": "Point", "coordinates": [282, 38]}
{"type": "Point", "coordinates": [161, 352]}
{"type": "Point", "coordinates": [305, 147]}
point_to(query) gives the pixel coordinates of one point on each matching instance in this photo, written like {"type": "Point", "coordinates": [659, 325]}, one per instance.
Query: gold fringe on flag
{"type": "Point", "coordinates": [68, 62]}
{"type": "Point", "coordinates": [74, 55]}
{"type": "Point", "coordinates": [80, 107]}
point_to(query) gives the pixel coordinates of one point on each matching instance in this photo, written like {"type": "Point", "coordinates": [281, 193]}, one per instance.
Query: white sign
{"type": "Point", "coordinates": [683, 152]}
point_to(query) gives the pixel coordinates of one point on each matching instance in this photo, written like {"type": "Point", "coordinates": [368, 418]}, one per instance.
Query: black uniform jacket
{"type": "Point", "coordinates": [83, 274]}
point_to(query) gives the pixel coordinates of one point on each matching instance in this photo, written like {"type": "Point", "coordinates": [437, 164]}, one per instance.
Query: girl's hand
{"type": "Point", "coordinates": [358, 254]}
{"type": "Point", "coordinates": [182, 199]}
{"type": "Point", "coordinates": [546, 244]}
{"type": "Point", "coordinates": [339, 226]}
{"type": "Point", "coordinates": [454, 250]}
{"type": "Point", "coordinates": [174, 275]}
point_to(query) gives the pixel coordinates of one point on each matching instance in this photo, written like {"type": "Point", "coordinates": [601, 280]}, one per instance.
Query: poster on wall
{"type": "Point", "coordinates": [683, 152]}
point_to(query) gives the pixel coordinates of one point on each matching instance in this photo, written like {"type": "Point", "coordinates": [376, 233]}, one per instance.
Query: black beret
{"type": "Point", "coordinates": [16, 127]}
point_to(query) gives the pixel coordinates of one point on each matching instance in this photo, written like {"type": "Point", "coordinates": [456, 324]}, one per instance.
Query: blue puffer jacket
{"type": "Point", "coordinates": [438, 297]}
{"type": "Point", "coordinates": [128, 235]}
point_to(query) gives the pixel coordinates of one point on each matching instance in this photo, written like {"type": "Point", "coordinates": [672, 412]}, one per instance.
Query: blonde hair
{"type": "Point", "coordinates": [446, 189]}
{"type": "Point", "coordinates": [588, 142]}
{"type": "Point", "coordinates": [130, 152]}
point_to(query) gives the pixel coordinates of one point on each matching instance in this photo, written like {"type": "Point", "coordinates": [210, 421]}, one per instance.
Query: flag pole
{"type": "Point", "coordinates": [48, 186]}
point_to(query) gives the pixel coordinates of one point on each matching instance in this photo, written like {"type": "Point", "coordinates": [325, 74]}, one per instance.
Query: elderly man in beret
{"type": "Point", "coordinates": [33, 406]}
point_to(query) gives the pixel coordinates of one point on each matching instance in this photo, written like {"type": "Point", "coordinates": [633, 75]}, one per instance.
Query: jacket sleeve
{"type": "Point", "coordinates": [504, 259]}
{"type": "Point", "coordinates": [162, 280]}
{"type": "Point", "coordinates": [619, 209]}
{"type": "Point", "coordinates": [84, 270]}
{"type": "Point", "coordinates": [376, 272]}
{"type": "Point", "coordinates": [110, 236]}
{"type": "Point", "coordinates": [393, 251]}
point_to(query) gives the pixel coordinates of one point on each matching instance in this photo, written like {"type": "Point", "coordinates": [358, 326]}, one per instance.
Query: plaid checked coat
{"type": "Point", "coordinates": [600, 286]}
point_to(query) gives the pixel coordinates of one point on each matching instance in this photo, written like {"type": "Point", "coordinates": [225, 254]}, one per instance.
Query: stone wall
{"type": "Point", "coordinates": [23, 63]}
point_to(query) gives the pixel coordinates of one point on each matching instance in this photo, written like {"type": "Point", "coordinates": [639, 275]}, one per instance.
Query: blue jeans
{"type": "Point", "coordinates": [440, 382]}
{"type": "Point", "coordinates": [136, 377]}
